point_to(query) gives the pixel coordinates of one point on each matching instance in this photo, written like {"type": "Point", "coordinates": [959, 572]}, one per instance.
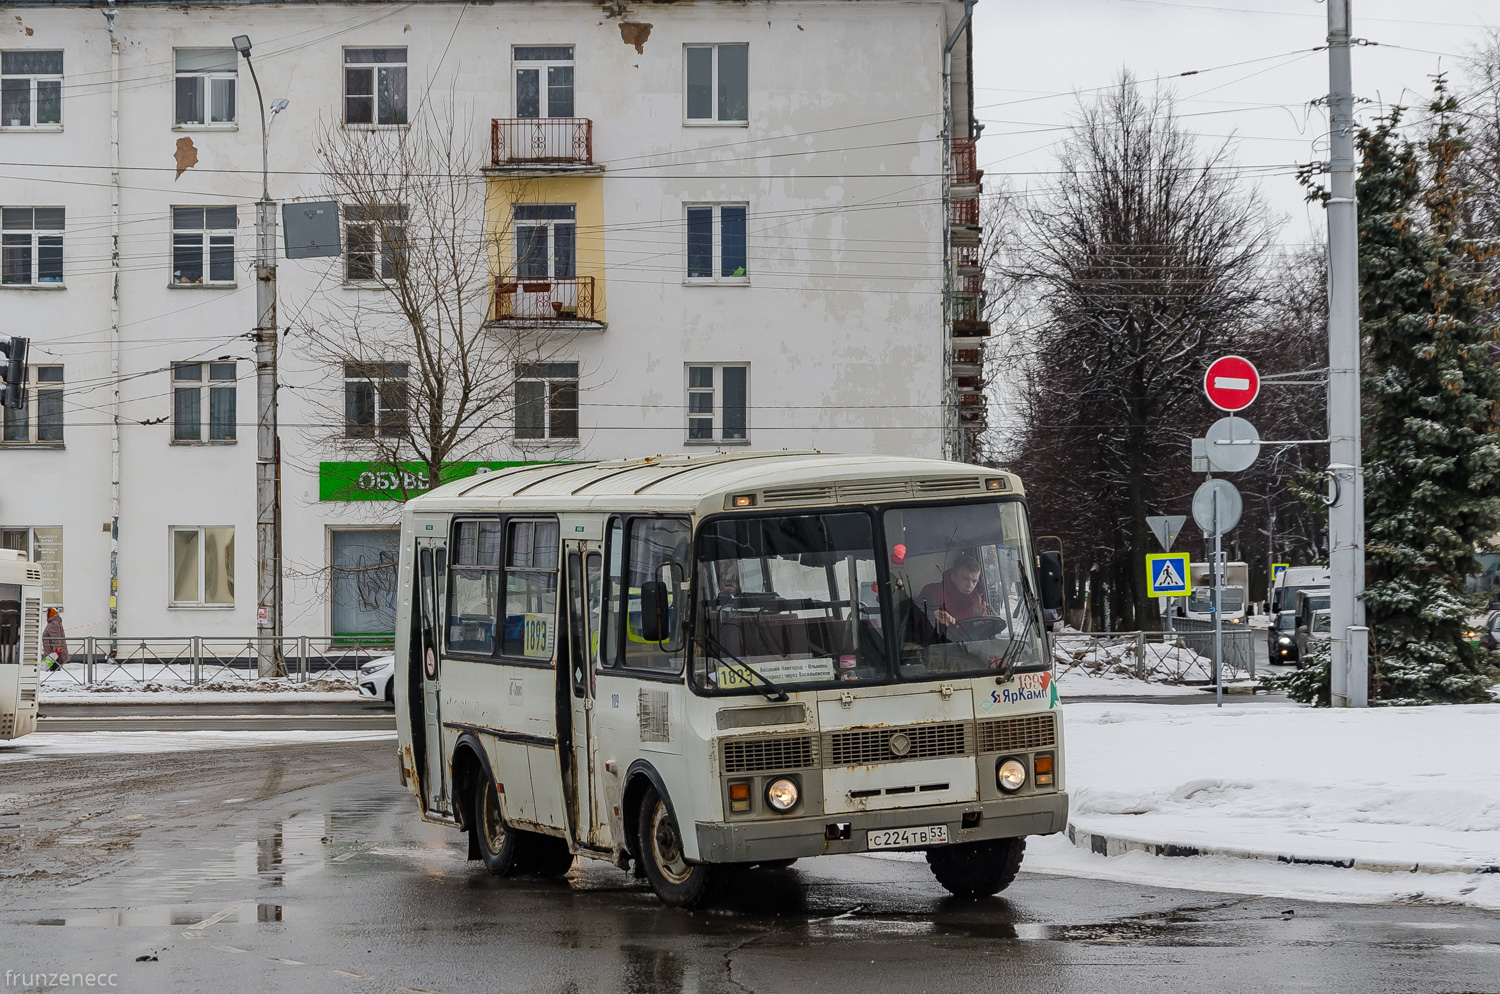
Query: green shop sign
{"type": "Point", "coordinates": [384, 481]}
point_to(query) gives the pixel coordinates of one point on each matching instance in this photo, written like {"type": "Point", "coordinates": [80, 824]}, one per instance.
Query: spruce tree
{"type": "Point", "coordinates": [1432, 390]}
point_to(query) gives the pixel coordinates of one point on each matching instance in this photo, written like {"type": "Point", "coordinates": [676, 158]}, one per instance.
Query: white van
{"type": "Point", "coordinates": [1293, 579]}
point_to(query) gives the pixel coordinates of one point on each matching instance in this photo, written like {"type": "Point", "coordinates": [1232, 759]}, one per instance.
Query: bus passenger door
{"type": "Point", "coordinates": [585, 602]}
{"type": "Point", "coordinates": [431, 564]}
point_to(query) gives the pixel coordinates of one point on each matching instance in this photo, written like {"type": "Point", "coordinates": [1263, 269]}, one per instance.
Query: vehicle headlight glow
{"type": "Point", "coordinates": [781, 795]}
{"type": "Point", "coordinates": [1283, 640]}
{"type": "Point", "coordinates": [1010, 775]}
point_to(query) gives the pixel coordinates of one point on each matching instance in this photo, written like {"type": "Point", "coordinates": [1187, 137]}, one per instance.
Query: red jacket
{"type": "Point", "coordinates": [949, 598]}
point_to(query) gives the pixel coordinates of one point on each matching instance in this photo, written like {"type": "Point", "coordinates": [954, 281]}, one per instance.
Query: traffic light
{"type": "Point", "coordinates": [13, 380]}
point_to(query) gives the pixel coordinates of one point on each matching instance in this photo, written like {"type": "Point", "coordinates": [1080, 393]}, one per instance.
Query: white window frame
{"type": "Point", "coordinates": [544, 102]}
{"type": "Point", "coordinates": [37, 239]}
{"type": "Point", "coordinates": [210, 81]}
{"type": "Point", "coordinates": [715, 412]}
{"type": "Point", "coordinates": [35, 387]}
{"type": "Point", "coordinates": [714, 121]}
{"type": "Point", "coordinates": [383, 263]}
{"type": "Point", "coordinates": [373, 68]}
{"type": "Point", "coordinates": [201, 603]}
{"type": "Point", "coordinates": [551, 225]}
{"type": "Point", "coordinates": [385, 424]}
{"type": "Point", "coordinates": [209, 382]}
{"type": "Point", "coordinates": [32, 80]}
{"type": "Point", "coordinates": [716, 268]}
{"type": "Point", "coordinates": [209, 239]}
{"type": "Point", "coordinates": [542, 372]}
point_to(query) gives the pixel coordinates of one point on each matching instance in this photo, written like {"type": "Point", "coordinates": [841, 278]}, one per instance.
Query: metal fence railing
{"type": "Point", "coordinates": [197, 660]}
{"type": "Point", "coordinates": [1157, 657]}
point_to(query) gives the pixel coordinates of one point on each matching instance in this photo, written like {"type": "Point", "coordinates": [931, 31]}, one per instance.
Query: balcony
{"type": "Point", "coordinates": [541, 141]}
{"type": "Point", "coordinates": [547, 302]}
{"type": "Point", "coordinates": [966, 169]}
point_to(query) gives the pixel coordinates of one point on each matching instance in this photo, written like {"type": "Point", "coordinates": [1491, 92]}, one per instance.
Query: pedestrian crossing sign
{"type": "Point", "coordinates": [1167, 575]}
{"type": "Point", "coordinates": [1277, 569]}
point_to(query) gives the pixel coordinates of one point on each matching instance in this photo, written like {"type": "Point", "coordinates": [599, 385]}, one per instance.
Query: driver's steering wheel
{"type": "Point", "coordinates": [979, 627]}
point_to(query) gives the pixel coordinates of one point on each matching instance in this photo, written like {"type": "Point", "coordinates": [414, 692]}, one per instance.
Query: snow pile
{"type": "Point", "coordinates": [45, 744]}
{"type": "Point", "coordinates": [1121, 656]}
{"type": "Point", "coordinates": [114, 683]}
{"type": "Point", "coordinates": [1394, 785]}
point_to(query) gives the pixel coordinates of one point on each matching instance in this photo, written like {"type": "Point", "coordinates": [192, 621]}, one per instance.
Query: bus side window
{"type": "Point", "coordinates": [655, 543]}
{"type": "Point", "coordinates": [474, 589]}
{"type": "Point", "coordinates": [613, 590]}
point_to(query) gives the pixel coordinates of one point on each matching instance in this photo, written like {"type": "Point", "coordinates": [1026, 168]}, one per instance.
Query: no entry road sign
{"type": "Point", "coordinates": [1167, 575]}
{"type": "Point", "coordinates": [1231, 383]}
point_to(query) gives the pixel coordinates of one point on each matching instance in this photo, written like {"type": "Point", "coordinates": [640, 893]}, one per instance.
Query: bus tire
{"type": "Point", "coordinates": [547, 856]}
{"type": "Point", "coordinates": [499, 846]}
{"type": "Point", "coordinates": [676, 881]}
{"type": "Point", "coordinates": [977, 869]}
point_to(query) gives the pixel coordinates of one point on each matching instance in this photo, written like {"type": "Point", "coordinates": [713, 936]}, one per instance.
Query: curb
{"type": "Point", "coordinates": [1108, 845]}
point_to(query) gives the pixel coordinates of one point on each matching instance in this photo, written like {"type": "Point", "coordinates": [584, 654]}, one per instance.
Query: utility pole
{"type": "Point", "coordinates": [114, 332]}
{"type": "Point", "coordinates": [267, 449]}
{"type": "Point", "coordinates": [1349, 671]}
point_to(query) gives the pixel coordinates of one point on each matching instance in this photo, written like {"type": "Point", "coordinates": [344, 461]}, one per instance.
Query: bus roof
{"type": "Point", "coordinates": [705, 482]}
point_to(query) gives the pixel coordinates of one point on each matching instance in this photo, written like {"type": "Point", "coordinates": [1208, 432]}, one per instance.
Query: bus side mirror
{"type": "Point", "coordinates": [655, 612]}
{"type": "Point", "coordinates": [1051, 580]}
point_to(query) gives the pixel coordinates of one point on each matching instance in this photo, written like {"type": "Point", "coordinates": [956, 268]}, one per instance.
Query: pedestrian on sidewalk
{"type": "Point", "coordinates": [54, 641]}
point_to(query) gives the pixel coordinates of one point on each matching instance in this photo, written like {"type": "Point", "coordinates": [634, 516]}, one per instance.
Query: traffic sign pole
{"type": "Point", "coordinates": [1218, 582]}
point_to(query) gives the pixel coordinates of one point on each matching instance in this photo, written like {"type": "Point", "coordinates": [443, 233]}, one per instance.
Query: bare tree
{"type": "Point", "coordinates": [1145, 259]}
{"type": "Point", "coordinates": [429, 363]}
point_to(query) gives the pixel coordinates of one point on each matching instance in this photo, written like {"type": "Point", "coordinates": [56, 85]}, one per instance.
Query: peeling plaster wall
{"type": "Point", "coordinates": [841, 322]}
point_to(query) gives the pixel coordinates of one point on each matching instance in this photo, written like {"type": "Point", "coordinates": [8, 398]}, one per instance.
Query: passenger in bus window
{"type": "Point", "coordinates": [957, 596]}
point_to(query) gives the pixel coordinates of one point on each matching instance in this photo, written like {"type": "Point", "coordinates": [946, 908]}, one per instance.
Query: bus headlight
{"type": "Point", "coordinates": [781, 795]}
{"type": "Point", "coordinates": [1010, 775]}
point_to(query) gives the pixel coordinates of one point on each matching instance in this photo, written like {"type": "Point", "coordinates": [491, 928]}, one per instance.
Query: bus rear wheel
{"type": "Point", "coordinates": [676, 881]}
{"type": "Point", "coordinates": [499, 846]}
{"type": "Point", "coordinates": [977, 869]}
{"type": "Point", "coordinates": [547, 856]}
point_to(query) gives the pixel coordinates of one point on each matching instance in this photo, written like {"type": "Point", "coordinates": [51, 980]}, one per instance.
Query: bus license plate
{"type": "Point", "coordinates": [903, 838]}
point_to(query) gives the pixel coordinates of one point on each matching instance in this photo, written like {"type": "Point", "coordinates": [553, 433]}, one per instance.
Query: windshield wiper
{"type": "Point", "coordinates": [1017, 645]}
{"type": "Point", "coordinates": [771, 692]}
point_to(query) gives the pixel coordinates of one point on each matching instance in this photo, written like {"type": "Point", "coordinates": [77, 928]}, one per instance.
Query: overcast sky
{"type": "Point", "coordinates": [1032, 56]}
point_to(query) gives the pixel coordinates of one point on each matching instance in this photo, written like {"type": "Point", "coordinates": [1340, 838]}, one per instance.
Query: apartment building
{"type": "Point", "coordinates": [717, 224]}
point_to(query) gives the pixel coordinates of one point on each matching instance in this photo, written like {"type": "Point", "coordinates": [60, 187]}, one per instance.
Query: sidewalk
{"type": "Point", "coordinates": [1408, 789]}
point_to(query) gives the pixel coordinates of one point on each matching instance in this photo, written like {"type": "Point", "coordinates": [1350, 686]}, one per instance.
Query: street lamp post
{"type": "Point", "coordinates": [269, 661]}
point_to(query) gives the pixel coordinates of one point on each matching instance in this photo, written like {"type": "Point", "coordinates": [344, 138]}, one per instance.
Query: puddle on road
{"type": "Point", "coordinates": [246, 914]}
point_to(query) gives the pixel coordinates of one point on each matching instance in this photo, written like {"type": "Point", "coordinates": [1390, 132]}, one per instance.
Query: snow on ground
{"type": "Point", "coordinates": [169, 686]}
{"type": "Point", "coordinates": [1078, 682]}
{"type": "Point", "coordinates": [47, 744]}
{"type": "Point", "coordinates": [1105, 654]}
{"type": "Point", "coordinates": [1397, 785]}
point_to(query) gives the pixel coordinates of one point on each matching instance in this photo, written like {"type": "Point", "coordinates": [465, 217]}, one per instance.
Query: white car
{"type": "Point", "coordinates": [375, 679]}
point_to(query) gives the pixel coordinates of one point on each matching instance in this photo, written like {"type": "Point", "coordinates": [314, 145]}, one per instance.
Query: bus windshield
{"type": "Point", "coordinates": [788, 600]}
{"type": "Point", "coordinates": [963, 601]}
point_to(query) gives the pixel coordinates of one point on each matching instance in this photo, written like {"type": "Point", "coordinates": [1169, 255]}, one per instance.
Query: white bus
{"type": "Point", "coordinates": [748, 658]}
{"type": "Point", "coordinates": [20, 643]}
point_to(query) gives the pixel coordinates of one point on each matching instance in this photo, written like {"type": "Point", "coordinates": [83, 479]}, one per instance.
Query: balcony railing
{"type": "Point", "coordinates": [546, 300]}
{"type": "Point", "coordinates": [967, 306]}
{"type": "Point", "coordinates": [964, 212]}
{"type": "Point", "coordinates": [966, 161]}
{"type": "Point", "coordinates": [519, 141]}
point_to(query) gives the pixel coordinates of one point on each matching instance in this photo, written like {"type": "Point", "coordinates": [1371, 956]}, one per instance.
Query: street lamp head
{"type": "Point", "coordinates": [242, 45]}
{"type": "Point", "coordinates": [278, 105]}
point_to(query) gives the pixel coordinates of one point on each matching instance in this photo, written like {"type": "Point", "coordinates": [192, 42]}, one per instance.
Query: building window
{"type": "Point", "coordinates": [206, 80]}
{"type": "Point", "coordinates": [31, 90]}
{"type": "Point", "coordinates": [40, 420]}
{"type": "Point", "coordinates": [362, 590]}
{"type": "Point", "coordinates": [31, 243]}
{"type": "Point", "coordinates": [547, 400]}
{"type": "Point", "coordinates": [375, 399]}
{"type": "Point", "coordinates": [374, 86]}
{"type": "Point", "coordinates": [535, 63]}
{"type": "Point", "coordinates": [716, 243]}
{"type": "Point", "coordinates": [374, 243]}
{"type": "Point", "coordinates": [718, 83]}
{"type": "Point", "coordinates": [43, 546]}
{"type": "Point", "coordinates": [192, 394]}
{"type": "Point", "coordinates": [203, 567]}
{"type": "Point", "coordinates": [546, 241]}
{"type": "Point", "coordinates": [203, 245]}
{"type": "Point", "coordinates": [718, 403]}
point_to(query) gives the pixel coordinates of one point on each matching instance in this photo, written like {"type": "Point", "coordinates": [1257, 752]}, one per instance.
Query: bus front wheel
{"type": "Point", "coordinates": [676, 881]}
{"type": "Point", "coordinates": [498, 845]}
{"type": "Point", "coordinates": [977, 869]}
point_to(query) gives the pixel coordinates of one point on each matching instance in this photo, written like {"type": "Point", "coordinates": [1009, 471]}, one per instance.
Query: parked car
{"type": "Point", "coordinates": [1489, 634]}
{"type": "Point", "coordinates": [1281, 638]}
{"type": "Point", "coordinates": [375, 679]}
{"type": "Point", "coordinates": [1313, 610]}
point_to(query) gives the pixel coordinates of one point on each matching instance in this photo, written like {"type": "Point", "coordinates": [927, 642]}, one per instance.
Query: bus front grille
{"type": "Point", "coordinates": [869, 746]}
{"type": "Point", "coordinates": [1033, 731]}
{"type": "Point", "coordinates": [767, 754]}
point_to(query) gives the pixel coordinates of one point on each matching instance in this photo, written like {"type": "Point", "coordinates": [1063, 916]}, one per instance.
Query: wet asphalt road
{"type": "Point", "coordinates": [305, 869]}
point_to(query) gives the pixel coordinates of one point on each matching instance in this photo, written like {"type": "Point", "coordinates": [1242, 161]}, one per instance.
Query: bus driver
{"type": "Point", "coordinates": [957, 596]}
